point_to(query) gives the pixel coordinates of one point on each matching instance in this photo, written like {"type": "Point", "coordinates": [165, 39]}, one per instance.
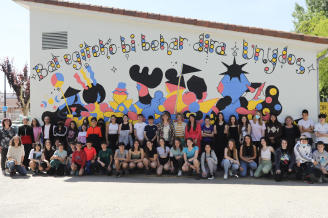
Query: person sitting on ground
{"type": "Point", "coordinates": [247, 156]}
{"type": "Point", "coordinates": [121, 159]}
{"type": "Point", "coordinates": [284, 161]}
{"type": "Point", "coordinates": [79, 159]}
{"type": "Point", "coordinates": [72, 149]}
{"type": "Point", "coordinates": [15, 157]}
{"type": "Point", "coordinates": [209, 162]}
{"type": "Point", "coordinates": [91, 155]}
{"type": "Point", "coordinates": [190, 155]}
{"type": "Point", "coordinates": [304, 160]}
{"type": "Point", "coordinates": [321, 157]}
{"type": "Point", "coordinates": [35, 159]}
{"type": "Point", "coordinates": [176, 156]}
{"type": "Point", "coordinates": [150, 160]}
{"type": "Point", "coordinates": [136, 156]}
{"type": "Point", "coordinates": [58, 160]}
{"type": "Point", "coordinates": [105, 159]}
{"type": "Point", "coordinates": [163, 157]}
{"type": "Point", "coordinates": [265, 163]}
{"type": "Point", "coordinates": [47, 153]}
{"type": "Point", "coordinates": [230, 163]}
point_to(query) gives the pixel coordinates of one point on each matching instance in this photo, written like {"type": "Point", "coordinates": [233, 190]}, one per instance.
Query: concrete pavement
{"type": "Point", "coordinates": [151, 196]}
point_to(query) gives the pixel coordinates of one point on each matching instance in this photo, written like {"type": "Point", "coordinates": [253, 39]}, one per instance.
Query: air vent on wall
{"type": "Point", "coordinates": [54, 40]}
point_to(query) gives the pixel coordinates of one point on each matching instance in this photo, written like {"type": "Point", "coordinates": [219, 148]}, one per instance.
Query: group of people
{"type": "Point", "coordinates": [239, 147]}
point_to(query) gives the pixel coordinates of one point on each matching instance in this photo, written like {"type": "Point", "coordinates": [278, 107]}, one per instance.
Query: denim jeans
{"type": "Point", "coordinates": [245, 165]}
{"type": "Point", "coordinates": [20, 169]}
{"type": "Point", "coordinates": [227, 164]}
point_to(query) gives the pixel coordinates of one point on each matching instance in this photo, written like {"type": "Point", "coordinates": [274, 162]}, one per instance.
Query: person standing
{"type": "Point", "coordinates": [151, 131]}
{"type": "Point", "coordinates": [258, 129]}
{"type": "Point", "coordinates": [125, 131]}
{"type": "Point", "coordinates": [179, 127]}
{"type": "Point", "coordinates": [27, 138]}
{"type": "Point", "coordinates": [6, 134]}
{"type": "Point", "coordinates": [290, 132]}
{"type": "Point", "coordinates": [37, 130]}
{"type": "Point", "coordinates": [321, 131]}
{"type": "Point", "coordinates": [60, 132]}
{"type": "Point", "coordinates": [72, 132]}
{"type": "Point", "coordinates": [194, 131]}
{"type": "Point", "coordinates": [47, 131]}
{"type": "Point", "coordinates": [139, 129]}
{"type": "Point", "coordinates": [220, 136]}
{"type": "Point", "coordinates": [166, 129]}
{"type": "Point", "coordinates": [306, 126]}
{"type": "Point", "coordinates": [94, 134]}
{"type": "Point", "coordinates": [273, 131]}
{"type": "Point", "coordinates": [207, 133]}
{"type": "Point", "coordinates": [112, 133]}
{"type": "Point", "coordinates": [232, 130]}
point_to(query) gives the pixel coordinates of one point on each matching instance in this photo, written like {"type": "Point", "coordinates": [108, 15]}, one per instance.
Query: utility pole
{"type": "Point", "coordinates": [5, 96]}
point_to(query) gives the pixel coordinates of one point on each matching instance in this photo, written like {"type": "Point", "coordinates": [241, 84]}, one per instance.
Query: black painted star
{"type": "Point", "coordinates": [310, 68]}
{"type": "Point", "coordinates": [234, 70]}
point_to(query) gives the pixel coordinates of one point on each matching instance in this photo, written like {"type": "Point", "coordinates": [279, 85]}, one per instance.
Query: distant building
{"type": "Point", "coordinates": [14, 110]}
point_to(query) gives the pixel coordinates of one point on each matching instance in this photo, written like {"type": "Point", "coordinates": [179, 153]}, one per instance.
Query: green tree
{"type": "Point", "coordinates": [313, 20]}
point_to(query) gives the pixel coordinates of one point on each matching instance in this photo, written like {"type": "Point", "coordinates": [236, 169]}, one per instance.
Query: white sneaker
{"type": "Point", "coordinates": [180, 173]}
{"type": "Point", "coordinates": [251, 173]}
{"type": "Point", "coordinates": [211, 177]}
{"type": "Point", "coordinates": [225, 176]}
{"type": "Point", "coordinates": [320, 179]}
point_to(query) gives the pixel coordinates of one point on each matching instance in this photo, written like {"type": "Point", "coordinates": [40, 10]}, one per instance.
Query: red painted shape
{"type": "Point", "coordinates": [220, 87]}
{"type": "Point", "coordinates": [143, 90]}
{"type": "Point", "coordinates": [251, 89]}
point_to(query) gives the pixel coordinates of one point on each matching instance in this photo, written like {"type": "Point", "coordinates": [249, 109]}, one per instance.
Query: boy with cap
{"type": "Point", "coordinates": [304, 159]}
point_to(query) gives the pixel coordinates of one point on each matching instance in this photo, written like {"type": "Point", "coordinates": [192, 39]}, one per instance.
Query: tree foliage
{"type": "Point", "coordinates": [313, 20]}
{"type": "Point", "coordinates": [19, 82]}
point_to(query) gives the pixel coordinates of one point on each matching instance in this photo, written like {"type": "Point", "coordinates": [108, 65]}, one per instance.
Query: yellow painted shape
{"type": "Point", "coordinates": [206, 106]}
{"type": "Point", "coordinates": [85, 77]}
{"type": "Point", "coordinates": [113, 104]}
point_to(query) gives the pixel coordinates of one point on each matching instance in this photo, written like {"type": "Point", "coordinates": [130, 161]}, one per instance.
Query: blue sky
{"type": "Point", "coordinates": [271, 14]}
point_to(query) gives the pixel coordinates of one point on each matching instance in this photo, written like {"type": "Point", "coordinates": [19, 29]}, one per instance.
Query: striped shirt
{"type": "Point", "coordinates": [179, 129]}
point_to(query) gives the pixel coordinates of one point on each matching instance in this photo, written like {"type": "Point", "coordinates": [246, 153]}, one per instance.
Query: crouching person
{"type": "Point", "coordinates": [78, 160]}
{"type": "Point", "coordinates": [163, 157]}
{"type": "Point", "coordinates": [209, 162]}
{"type": "Point", "coordinates": [105, 159]}
{"type": "Point", "coordinates": [58, 161]}
{"type": "Point", "coordinates": [190, 155]}
{"type": "Point", "coordinates": [35, 159]}
{"type": "Point", "coordinates": [284, 162]}
{"type": "Point", "coordinates": [15, 157]}
{"type": "Point", "coordinates": [150, 160]}
{"type": "Point", "coordinates": [121, 159]}
{"type": "Point", "coordinates": [265, 163]}
{"type": "Point", "coordinates": [230, 163]}
{"type": "Point", "coordinates": [91, 155]}
{"type": "Point", "coordinates": [304, 160]}
{"type": "Point", "coordinates": [47, 153]}
{"type": "Point", "coordinates": [321, 157]}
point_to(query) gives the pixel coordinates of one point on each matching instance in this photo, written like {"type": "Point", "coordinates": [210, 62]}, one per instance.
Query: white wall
{"type": "Point", "coordinates": [297, 91]}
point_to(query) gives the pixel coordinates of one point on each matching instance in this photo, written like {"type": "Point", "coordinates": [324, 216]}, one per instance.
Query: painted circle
{"type": "Point", "coordinates": [268, 100]}
{"type": "Point", "coordinates": [50, 100]}
{"type": "Point", "coordinates": [266, 69]}
{"type": "Point", "coordinates": [57, 80]}
{"type": "Point", "coordinates": [132, 36]}
{"type": "Point", "coordinates": [259, 107]}
{"type": "Point", "coordinates": [169, 52]}
{"type": "Point", "coordinates": [121, 108]}
{"type": "Point", "coordinates": [266, 111]}
{"type": "Point", "coordinates": [277, 107]}
{"type": "Point", "coordinates": [273, 91]}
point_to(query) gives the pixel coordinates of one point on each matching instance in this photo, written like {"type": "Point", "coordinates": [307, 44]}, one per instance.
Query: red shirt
{"type": "Point", "coordinates": [194, 134]}
{"type": "Point", "coordinates": [94, 131]}
{"type": "Point", "coordinates": [79, 157]}
{"type": "Point", "coordinates": [90, 153]}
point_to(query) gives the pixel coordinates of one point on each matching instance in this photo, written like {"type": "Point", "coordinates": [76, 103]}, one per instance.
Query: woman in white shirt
{"type": "Point", "coordinates": [321, 130]}
{"type": "Point", "coordinates": [265, 163]}
{"type": "Point", "coordinates": [112, 132]}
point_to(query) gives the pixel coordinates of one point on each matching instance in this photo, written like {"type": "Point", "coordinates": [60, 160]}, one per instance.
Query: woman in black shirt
{"type": "Point", "coordinates": [291, 133]}
{"type": "Point", "coordinates": [220, 137]}
{"type": "Point", "coordinates": [150, 159]}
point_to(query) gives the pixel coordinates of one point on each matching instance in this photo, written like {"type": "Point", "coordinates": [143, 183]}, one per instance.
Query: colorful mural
{"type": "Point", "coordinates": [161, 88]}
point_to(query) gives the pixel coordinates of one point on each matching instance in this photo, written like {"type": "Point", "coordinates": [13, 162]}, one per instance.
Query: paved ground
{"type": "Point", "coordinates": [151, 196]}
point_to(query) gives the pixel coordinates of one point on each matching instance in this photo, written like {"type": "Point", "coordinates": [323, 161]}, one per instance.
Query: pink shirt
{"type": "Point", "coordinates": [37, 133]}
